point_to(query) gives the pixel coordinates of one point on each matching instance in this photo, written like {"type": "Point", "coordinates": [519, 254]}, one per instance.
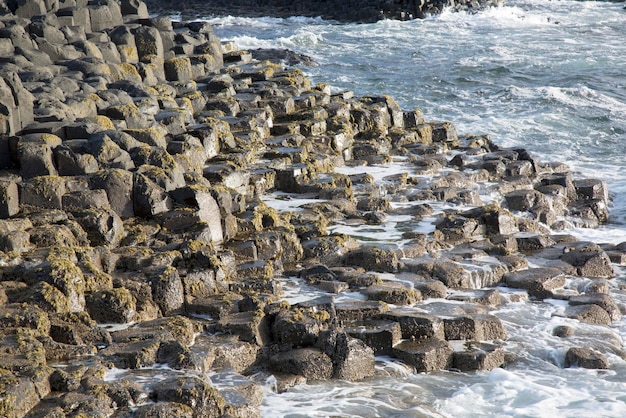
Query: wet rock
{"type": "Point", "coordinates": [563, 331]}
{"type": "Point", "coordinates": [21, 393]}
{"type": "Point", "coordinates": [489, 297]}
{"type": "Point", "coordinates": [539, 282]}
{"type": "Point", "coordinates": [451, 274]}
{"type": "Point", "coordinates": [359, 310]}
{"type": "Point", "coordinates": [380, 335]}
{"type": "Point", "coordinates": [352, 359]}
{"type": "Point", "coordinates": [299, 328]}
{"type": "Point", "coordinates": [242, 396]}
{"type": "Point", "coordinates": [417, 326]}
{"type": "Point", "coordinates": [194, 392]}
{"type": "Point", "coordinates": [311, 363]}
{"type": "Point", "coordinates": [227, 353]}
{"type": "Point", "coordinates": [478, 356]}
{"type": "Point", "coordinates": [425, 355]}
{"type": "Point", "coordinates": [585, 357]}
{"type": "Point", "coordinates": [165, 410]}
{"type": "Point", "coordinates": [474, 327]}
{"type": "Point", "coordinates": [589, 259]}
{"type": "Point", "coordinates": [589, 313]}
{"type": "Point", "coordinates": [603, 300]}
{"type": "Point", "coordinates": [177, 355]}
{"type": "Point", "coordinates": [394, 293]}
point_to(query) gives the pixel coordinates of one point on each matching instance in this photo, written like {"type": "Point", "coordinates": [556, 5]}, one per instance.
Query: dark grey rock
{"type": "Point", "coordinates": [539, 282]}
{"type": "Point", "coordinates": [311, 363]}
{"type": "Point", "coordinates": [425, 355]}
{"type": "Point", "coordinates": [585, 357]}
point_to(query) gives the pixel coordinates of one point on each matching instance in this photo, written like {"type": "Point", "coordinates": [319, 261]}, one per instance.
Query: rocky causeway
{"type": "Point", "coordinates": [142, 264]}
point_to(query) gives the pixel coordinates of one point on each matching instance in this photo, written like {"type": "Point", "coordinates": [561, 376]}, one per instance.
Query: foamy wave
{"type": "Point", "coordinates": [503, 16]}
{"type": "Point", "coordinates": [261, 22]}
{"type": "Point", "coordinates": [530, 394]}
{"type": "Point", "coordinates": [299, 40]}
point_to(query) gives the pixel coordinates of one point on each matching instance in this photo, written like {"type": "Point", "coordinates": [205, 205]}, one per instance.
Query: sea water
{"type": "Point", "coordinates": [549, 76]}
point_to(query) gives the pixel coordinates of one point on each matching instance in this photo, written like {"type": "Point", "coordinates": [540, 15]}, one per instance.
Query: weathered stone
{"type": "Point", "coordinates": [589, 313]}
{"type": "Point", "coordinates": [603, 300]}
{"type": "Point", "coordinates": [102, 225]}
{"type": "Point", "coordinates": [585, 357]}
{"type": "Point", "coordinates": [164, 410]}
{"type": "Point", "coordinates": [352, 358]}
{"type": "Point", "coordinates": [36, 159]}
{"type": "Point", "coordinates": [539, 282]}
{"type": "Point", "coordinates": [19, 395]}
{"type": "Point", "coordinates": [478, 356]}
{"type": "Point", "coordinates": [118, 185]}
{"type": "Point", "coordinates": [372, 258]}
{"type": "Point", "coordinates": [242, 396]}
{"type": "Point", "coordinates": [359, 310]}
{"type": "Point", "coordinates": [417, 326]}
{"type": "Point", "coordinates": [167, 289]}
{"type": "Point", "coordinates": [380, 335]}
{"type": "Point", "coordinates": [298, 328]}
{"type": "Point", "coordinates": [9, 198]}
{"type": "Point", "coordinates": [474, 327]}
{"type": "Point", "coordinates": [194, 392]}
{"type": "Point", "coordinates": [112, 306]}
{"type": "Point", "coordinates": [250, 326]}
{"type": "Point", "coordinates": [450, 273]}
{"type": "Point", "coordinates": [394, 293]}
{"type": "Point", "coordinates": [425, 355]}
{"type": "Point", "coordinates": [311, 363]}
{"type": "Point", "coordinates": [589, 259]}
{"type": "Point", "coordinates": [149, 198]}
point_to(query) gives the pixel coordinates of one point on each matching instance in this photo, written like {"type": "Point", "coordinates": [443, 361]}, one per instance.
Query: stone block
{"type": "Point", "coordinates": [589, 314]}
{"type": "Point", "coordinates": [193, 392]}
{"type": "Point", "coordinates": [36, 158]}
{"type": "Point", "coordinates": [43, 192]}
{"type": "Point", "coordinates": [426, 355]}
{"type": "Point", "coordinates": [9, 198]}
{"type": "Point", "coordinates": [148, 42]}
{"type": "Point", "coordinates": [252, 326]}
{"type": "Point", "coordinates": [118, 185]}
{"type": "Point", "coordinates": [585, 357]}
{"type": "Point", "coordinates": [589, 259]}
{"type": "Point", "coordinates": [311, 363]}
{"type": "Point", "coordinates": [393, 293]}
{"type": "Point", "coordinates": [296, 328]}
{"type": "Point", "coordinates": [472, 356]}
{"type": "Point", "coordinates": [539, 282]}
{"type": "Point", "coordinates": [102, 225]}
{"type": "Point", "coordinates": [167, 289]}
{"type": "Point", "coordinates": [134, 7]}
{"type": "Point", "coordinates": [101, 17]}
{"type": "Point", "coordinates": [112, 306]}
{"type": "Point", "coordinates": [70, 163]}
{"type": "Point", "coordinates": [149, 198]}
{"type": "Point", "coordinates": [178, 69]}
{"type": "Point", "coordinates": [380, 335]}
{"type": "Point", "coordinates": [417, 326]}
{"type": "Point", "coordinates": [603, 300]}
{"type": "Point", "coordinates": [477, 327]}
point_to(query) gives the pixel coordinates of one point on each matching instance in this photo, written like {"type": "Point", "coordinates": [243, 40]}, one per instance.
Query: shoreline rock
{"type": "Point", "coordinates": [364, 11]}
{"type": "Point", "coordinates": [136, 156]}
